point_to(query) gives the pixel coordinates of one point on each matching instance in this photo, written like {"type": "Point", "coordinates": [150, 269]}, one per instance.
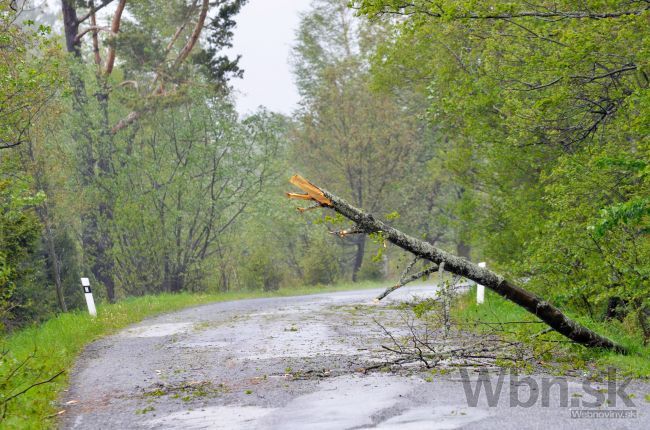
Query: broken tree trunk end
{"type": "Point", "coordinates": [539, 307]}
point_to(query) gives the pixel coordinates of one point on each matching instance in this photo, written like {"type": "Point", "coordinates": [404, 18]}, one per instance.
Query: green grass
{"type": "Point", "coordinates": [501, 313]}
{"type": "Point", "coordinates": [56, 343]}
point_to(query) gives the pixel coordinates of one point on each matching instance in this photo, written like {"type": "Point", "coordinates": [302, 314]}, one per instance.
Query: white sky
{"type": "Point", "coordinates": [264, 34]}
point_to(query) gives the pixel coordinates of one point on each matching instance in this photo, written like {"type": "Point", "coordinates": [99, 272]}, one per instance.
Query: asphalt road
{"type": "Point", "coordinates": [295, 363]}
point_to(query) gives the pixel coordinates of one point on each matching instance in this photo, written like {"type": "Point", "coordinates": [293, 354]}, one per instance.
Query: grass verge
{"type": "Point", "coordinates": [37, 353]}
{"type": "Point", "coordinates": [516, 323]}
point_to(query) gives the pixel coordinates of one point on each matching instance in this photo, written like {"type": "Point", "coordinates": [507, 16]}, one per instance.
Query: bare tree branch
{"type": "Point", "coordinates": [93, 28]}
{"type": "Point", "coordinates": [93, 10]}
{"type": "Point", "coordinates": [115, 28]}
{"type": "Point", "coordinates": [405, 280]}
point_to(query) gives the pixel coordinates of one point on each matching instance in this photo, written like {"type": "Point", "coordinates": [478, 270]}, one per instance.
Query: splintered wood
{"type": "Point", "coordinates": [313, 193]}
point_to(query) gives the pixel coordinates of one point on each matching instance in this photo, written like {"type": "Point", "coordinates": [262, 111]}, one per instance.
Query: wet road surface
{"type": "Point", "coordinates": [296, 363]}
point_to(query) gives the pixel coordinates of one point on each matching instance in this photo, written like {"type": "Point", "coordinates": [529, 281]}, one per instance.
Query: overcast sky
{"type": "Point", "coordinates": [264, 35]}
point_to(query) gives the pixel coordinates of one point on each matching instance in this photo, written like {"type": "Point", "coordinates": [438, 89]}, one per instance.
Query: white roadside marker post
{"type": "Point", "coordinates": [89, 297]}
{"type": "Point", "coordinates": [480, 289]}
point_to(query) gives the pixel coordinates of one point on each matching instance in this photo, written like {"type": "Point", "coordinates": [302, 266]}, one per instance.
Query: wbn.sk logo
{"type": "Point", "coordinates": [527, 391]}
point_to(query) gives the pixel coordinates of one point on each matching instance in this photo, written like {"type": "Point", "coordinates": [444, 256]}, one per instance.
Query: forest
{"type": "Point", "coordinates": [510, 132]}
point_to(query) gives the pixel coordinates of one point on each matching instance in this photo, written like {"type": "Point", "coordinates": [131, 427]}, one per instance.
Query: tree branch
{"type": "Point", "coordinates": [409, 9]}
{"type": "Point", "coordinates": [622, 70]}
{"type": "Point", "coordinates": [195, 35]}
{"type": "Point", "coordinates": [93, 28]}
{"type": "Point", "coordinates": [93, 10]}
{"type": "Point", "coordinates": [539, 307]}
{"type": "Point", "coordinates": [115, 28]}
{"type": "Point", "coordinates": [403, 281]}
{"type": "Point", "coordinates": [135, 115]}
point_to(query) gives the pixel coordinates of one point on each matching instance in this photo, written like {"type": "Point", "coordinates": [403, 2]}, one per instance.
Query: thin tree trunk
{"type": "Point", "coordinates": [96, 240]}
{"type": "Point", "coordinates": [176, 281]}
{"type": "Point", "coordinates": [106, 263]}
{"type": "Point", "coordinates": [71, 26]}
{"type": "Point", "coordinates": [443, 291]}
{"type": "Point", "coordinates": [358, 257]}
{"type": "Point", "coordinates": [463, 249]}
{"type": "Point", "coordinates": [166, 282]}
{"type": "Point", "coordinates": [225, 283]}
{"type": "Point", "coordinates": [539, 307]}
{"type": "Point", "coordinates": [56, 264]}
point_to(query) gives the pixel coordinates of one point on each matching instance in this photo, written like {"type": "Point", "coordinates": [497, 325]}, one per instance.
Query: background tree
{"type": "Point", "coordinates": [348, 134]}
{"type": "Point", "coordinates": [154, 45]}
{"type": "Point", "coordinates": [191, 175]}
{"type": "Point", "coordinates": [29, 73]}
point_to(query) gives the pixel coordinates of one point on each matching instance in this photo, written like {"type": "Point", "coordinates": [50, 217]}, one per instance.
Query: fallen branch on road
{"type": "Point", "coordinates": [406, 278]}
{"type": "Point", "coordinates": [539, 307]}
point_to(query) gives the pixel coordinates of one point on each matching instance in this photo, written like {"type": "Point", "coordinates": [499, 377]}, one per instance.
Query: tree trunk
{"type": "Point", "coordinates": [225, 282]}
{"type": "Point", "coordinates": [106, 264]}
{"type": "Point", "coordinates": [96, 239]}
{"type": "Point", "coordinates": [615, 309]}
{"type": "Point", "coordinates": [56, 264]}
{"type": "Point", "coordinates": [545, 311]}
{"type": "Point", "coordinates": [463, 249]}
{"type": "Point", "coordinates": [71, 26]}
{"type": "Point", "coordinates": [643, 316]}
{"type": "Point", "coordinates": [99, 245]}
{"type": "Point", "coordinates": [358, 257]}
{"type": "Point", "coordinates": [176, 282]}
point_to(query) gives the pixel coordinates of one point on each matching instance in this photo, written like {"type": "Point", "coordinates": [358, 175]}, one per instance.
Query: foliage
{"type": "Point", "coordinates": [541, 114]}
{"type": "Point", "coordinates": [371, 270]}
{"type": "Point", "coordinates": [30, 74]}
{"type": "Point", "coordinates": [19, 233]}
{"type": "Point", "coordinates": [193, 171]}
{"type": "Point", "coordinates": [145, 37]}
{"type": "Point", "coordinates": [218, 67]}
{"type": "Point", "coordinates": [261, 270]}
{"type": "Point", "coordinates": [320, 263]}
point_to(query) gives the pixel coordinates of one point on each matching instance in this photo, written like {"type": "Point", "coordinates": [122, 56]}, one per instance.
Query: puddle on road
{"type": "Point", "coordinates": [341, 403]}
{"type": "Point", "coordinates": [158, 330]}
{"type": "Point", "coordinates": [213, 418]}
{"type": "Point", "coordinates": [310, 340]}
{"type": "Point", "coordinates": [434, 418]}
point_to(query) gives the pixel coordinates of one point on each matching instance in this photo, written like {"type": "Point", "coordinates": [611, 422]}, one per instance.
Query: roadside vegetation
{"type": "Point", "coordinates": [511, 322]}
{"type": "Point", "coordinates": [39, 353]}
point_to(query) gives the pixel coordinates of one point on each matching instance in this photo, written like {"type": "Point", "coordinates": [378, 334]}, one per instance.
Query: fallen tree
{"type": "Point", "coordinates": [366, 223]}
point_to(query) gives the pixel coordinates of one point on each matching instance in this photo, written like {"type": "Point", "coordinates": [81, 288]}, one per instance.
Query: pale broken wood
{"type": "Point", "coordinates": [312, 191]}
